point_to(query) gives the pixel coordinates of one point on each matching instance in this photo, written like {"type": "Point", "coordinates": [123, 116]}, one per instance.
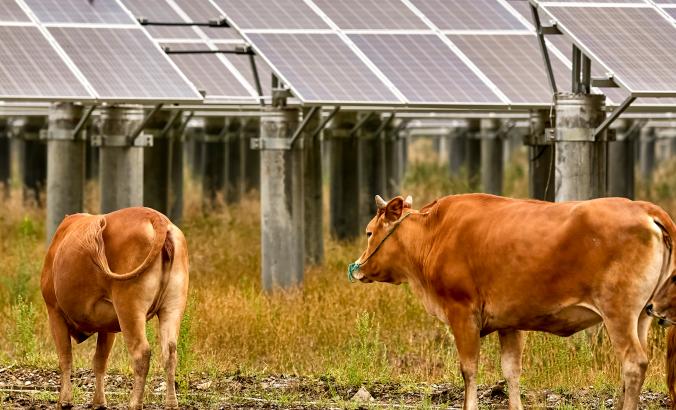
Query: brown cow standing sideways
{"type": "Point", "coordinates": [84, 295]}
{"type": "Point", "coordinates": [483, 263]}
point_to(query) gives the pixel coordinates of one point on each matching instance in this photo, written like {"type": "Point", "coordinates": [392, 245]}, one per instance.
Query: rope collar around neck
{"type": "Point", "coordinates": [354, 266]}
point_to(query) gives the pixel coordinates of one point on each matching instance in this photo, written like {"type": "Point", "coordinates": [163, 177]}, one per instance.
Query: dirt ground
{"type": "Point", "coordinates": [37, 389]}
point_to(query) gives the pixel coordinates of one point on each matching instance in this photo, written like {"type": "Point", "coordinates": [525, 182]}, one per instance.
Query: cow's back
{"type": "Point", "coordinates": [525, 258]}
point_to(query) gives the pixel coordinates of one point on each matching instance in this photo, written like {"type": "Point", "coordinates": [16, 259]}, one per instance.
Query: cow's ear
{"type": "Point", "coordinates": [394, 209]}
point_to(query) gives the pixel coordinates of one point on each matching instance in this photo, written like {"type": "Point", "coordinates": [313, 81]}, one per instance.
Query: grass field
{"type": "Point", "coordinates": [348, 334]}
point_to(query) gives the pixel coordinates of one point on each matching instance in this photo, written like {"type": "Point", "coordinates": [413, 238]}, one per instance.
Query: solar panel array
{"type": "Point", "coordinates": [81, 50]}
{"type": "Point", "coordinates": [633, 41]}
{"type": "Point", "coordinates": [220, 77]}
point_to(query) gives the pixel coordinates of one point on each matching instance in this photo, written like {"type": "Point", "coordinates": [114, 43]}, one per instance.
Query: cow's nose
{"type": "Point", "coordinates": [649, 308]}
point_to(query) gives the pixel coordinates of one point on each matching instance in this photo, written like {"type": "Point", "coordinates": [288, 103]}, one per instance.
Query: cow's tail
{"type": "Point", "coordinates": [666, 224]}
{"type": "Point", "coordinates": [161, 241]}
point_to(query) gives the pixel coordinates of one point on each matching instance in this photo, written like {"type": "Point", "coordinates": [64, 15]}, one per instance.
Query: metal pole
{"type": "Point", "coordinates": [540, 157]}
{"type": "Point", "coordinates": [234, 161]}
{"type": "Point", "coordinates": [251, 129]}
{"type": "Point", "coordinates": [213, 161]}
{"type": "Point", "coordinates": [312, 184]}
{"type": "Point", "coordinates": [65, 165]}
{"type": "Point", "coordinates": [5, 160]}
{"type": "Point", "coordinates": [282, 198]}
{"type": "Point", "coordinates": [367, 160]}
{"type": "Point", "coordinates": [33, 158]}
{"type": "Point", "coordinates": [176, 138]}
{"type": "Point", "coordinates": [621, 161]}
{"type": "Point", "coordinates": [491, 156]}
{"type": "Point", "coordinates": [647, 153]}
{"type": "Point", "coordinates": [580, 158]}
{"type": "Point", "coordinates": [344, 177]}
{"type": "Point", "coordinates": [473, 153]}
{"type": "Point", "coordinates": [121, 166]}
{"type": "Point", "coordinates": [156, 162]}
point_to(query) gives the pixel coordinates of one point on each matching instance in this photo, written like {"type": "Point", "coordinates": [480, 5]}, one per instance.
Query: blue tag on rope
{"type": "Point", "coordinates": [351, 269]}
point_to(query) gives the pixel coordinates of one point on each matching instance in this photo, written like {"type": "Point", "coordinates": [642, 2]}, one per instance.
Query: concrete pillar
{"type": "Point", "coordinates": [251, 129]}
{"type": "Point", "coordinates": [473, 153]}
{"type": "Point", "coordinates": [344, 177]}
{"type": "Point", "coordinates": [394, 157]}
{"type": "Point", "coordinates": [312, 185]}
{"type": "Point", "coordinates": [368, 163]}
{"type": "Point", "coordinates": [213, 161]}
{"type": "Point", "coordinates": [540, 157]}
{"type": "Point", "coordinates": [92, 151]}
{"type": "Point", "coordinates": [156, 162]}
{"type": "Point", "coordinates": [5, 159]}
{"type": "Point", "coordinates": [457, 148]}
{"type": "Point", "coordinates": [176, 137]}
{"type": "Point", "coordinates": [33, 156]}
{"type": "Point", "coordinates": [65, 165]}
{"type": "Point", "coordinates": [234, 160]}
{"type": "Point", "coordinates": [121, 166]}
{"type": "Point", "coordinates": [621, 161]}
{"type": "Point", "coordinates": [491, 156]}
{"type": "Point", "coordinates": [194, 136]}
{"type": "Point", "coordinates": [647, 153]}
{"type": "Point", "coordinates": [282, 199]}
{"type": "Point", "coordinates": [580, 160]}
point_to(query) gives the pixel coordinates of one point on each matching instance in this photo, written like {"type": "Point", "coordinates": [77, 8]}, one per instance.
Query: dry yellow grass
{"type": "Point", "coordinates": [354, 332]}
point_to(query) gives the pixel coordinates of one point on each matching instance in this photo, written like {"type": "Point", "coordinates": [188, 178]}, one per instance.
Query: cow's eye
{"type": "Point", "coordinates": [368, 234]}
{"type": "Point", "coordinates": [673, 279]}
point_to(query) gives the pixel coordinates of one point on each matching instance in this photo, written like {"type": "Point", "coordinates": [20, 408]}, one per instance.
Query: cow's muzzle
{"type": "Point", "coordinates": [661, 319]}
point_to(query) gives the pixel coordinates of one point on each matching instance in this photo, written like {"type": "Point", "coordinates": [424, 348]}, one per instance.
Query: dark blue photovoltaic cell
{"type": "Point", "coordinates": [424, 69]}
{"type": "Point", "coordinates": [10, 11]}
{"type": "Point", "coordinates": [267, 14]}
{"type": "Point", "coordinates": [123, 64]}
{"type": "Point", "coordinates": [31, 68]}
{"type": "Point", "coordinates": [322, 68]}
{"type": "Point", "coordinates": [79, 11]}
{"type": "Point", "coordinates": [468, 15]}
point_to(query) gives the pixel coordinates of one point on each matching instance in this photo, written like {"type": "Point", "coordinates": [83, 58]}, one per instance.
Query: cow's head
{"type": "Point", "coordinates": [378, 263]}
{"type": "Point", "coordinates": [663, 305]}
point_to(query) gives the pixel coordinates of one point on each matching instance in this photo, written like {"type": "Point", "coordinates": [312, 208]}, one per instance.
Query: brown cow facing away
{"type": "Point", "coordinates": [483, 263]}
{"type": "Point", "coordinates": [85, 295]}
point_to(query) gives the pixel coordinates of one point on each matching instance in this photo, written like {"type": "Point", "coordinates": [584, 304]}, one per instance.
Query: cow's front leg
{"type": "Point", "coordinates": [61, 335]}
{"type": "Point", "coordinates": [467, 341]}
{"type": "Point", "coordinates": [511, 348]}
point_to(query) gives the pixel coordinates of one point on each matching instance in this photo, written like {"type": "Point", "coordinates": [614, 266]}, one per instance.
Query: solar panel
{"type": "Point", "coordinates": [468, 15]}
{"type": "Point", "coordinates": [79, 11]}
{"type": "Point", "coordinates": [424, 69]}
{"type": "Point", "coordinates": [160, 11]}
{"type": "Point", "coordinates": [123, 64]}
{"type": "Point", "coordinates": [266, 14]}
{"type": "Point", "coordinates": [371, 14]}
{"type": "Point", "coordinates": [208, 72]}
{"type": "Point", "coordinates": [203, 11]}
{"type": "Point", "coordinates": [11, 12]}
{"type": "Point", "coordinates": [514, 63]}
{"type": "Point", "coordinates": [670, 11]}
{"type": "Point", "coordinates": [243, 65]}
{"type": "Point", "coordinates": [321, 68]}
{"type": "Point", "coordinates": [31, 68]}
{"type": "Point", "coordinates": [636, 42]}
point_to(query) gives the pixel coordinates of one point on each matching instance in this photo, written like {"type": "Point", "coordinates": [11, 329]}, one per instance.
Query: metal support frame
{"type": "Point", "coordinates": [385, 123]}
{"type": "Point", "coordinates": [586, 75]}
{"type": "Point", "coordinates": [543, 47]}
{"type": "Point", "coordinates": [170, 123]}
{"type": "Point", "coordinates": [326, 120]}
{"type": "Point", "coordinates": [134, 134]}
{"type": "Point", "coordinates": [211, 23]}
{"type": "Point", "coordinates": [288, 143]}
{"type": "Point", "coordinates": [257, 79]}
{"type": "Point", "coordinates": [80, 125]}
{"type": "Point", "coordinates": [604, 82]}
{"type": "Point", "coordinates": [239, 50]}
{"type": "Point", "coordinates": [360, 124]}
{"type": "Point", "coordinates": [577, 69]}
{"type": "Point", "coordinates": [303, 125]}
{"type": "Point", "coordinates": [612, 117]}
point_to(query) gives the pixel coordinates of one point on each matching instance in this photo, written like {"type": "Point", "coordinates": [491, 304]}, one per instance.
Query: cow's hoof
{"type": "Point", "coordinates": [171, 406]}
{"type": "Point", "coordinates": [100, 406]}
{"type": "Point", "coordinates": [63, 406]}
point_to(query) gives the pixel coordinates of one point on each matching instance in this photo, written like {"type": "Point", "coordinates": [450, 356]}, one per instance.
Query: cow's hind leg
{"type": "Point", "coordinates": [511, 348]}
{"type": "Point", "coordinates": [468, 343]}
{"type": "Point", "coordinates": [624, 336]}
{"type": "Point", "coordinates": [170, 322]}
{"type": "Point", "coordinates": [61, 335]}
{"type": "Point", "coordinates": [104, 343]}
{"type": "Point", "coordinates": [133, 325]}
